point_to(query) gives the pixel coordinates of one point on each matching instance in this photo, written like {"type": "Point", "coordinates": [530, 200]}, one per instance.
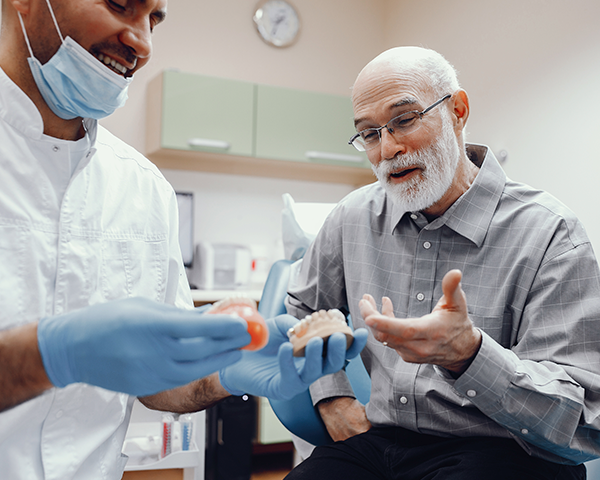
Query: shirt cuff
{"type": "Point", "coordinates": [334, 385]}
{"type": "Point", "coordinates": [488, 378]}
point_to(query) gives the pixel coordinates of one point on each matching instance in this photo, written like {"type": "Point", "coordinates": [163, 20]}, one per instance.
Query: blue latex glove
{"type": "Point", "coordinates": [138, 346]}
{"type": "Point", "coordinates": [275, 373]}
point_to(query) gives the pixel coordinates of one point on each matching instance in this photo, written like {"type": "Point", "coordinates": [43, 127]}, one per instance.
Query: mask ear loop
{"type": "Point", "coordinates": [25, 35]}
{"type": "Point", "coordinates": [62, 40]}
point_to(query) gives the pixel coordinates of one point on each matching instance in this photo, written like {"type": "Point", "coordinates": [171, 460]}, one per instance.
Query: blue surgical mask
{"type": "Point", "coordinates": [74, 83]}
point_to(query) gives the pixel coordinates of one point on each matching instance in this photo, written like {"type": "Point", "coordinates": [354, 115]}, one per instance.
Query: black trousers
{"type": "Point", "coordinates": [396, 453]}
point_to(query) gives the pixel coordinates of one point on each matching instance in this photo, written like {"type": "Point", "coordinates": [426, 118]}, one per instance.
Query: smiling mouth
{"type": "Point", "coordinates": [113, 64]}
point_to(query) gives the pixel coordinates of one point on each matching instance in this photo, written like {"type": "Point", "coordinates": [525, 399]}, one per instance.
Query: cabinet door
{"type": "Point", "coordinates": [305, 127]}
{"type": "Point", "coordinates": [207, 114]}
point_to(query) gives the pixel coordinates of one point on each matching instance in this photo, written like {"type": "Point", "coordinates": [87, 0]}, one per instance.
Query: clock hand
{"type": "Point", "coordinates": [277, 21]}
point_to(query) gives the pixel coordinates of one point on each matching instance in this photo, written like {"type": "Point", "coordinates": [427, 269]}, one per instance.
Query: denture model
{"type": "Point", "coordinates": [246, 308]}
{"type": "Point", "coordinates": [322, 324]}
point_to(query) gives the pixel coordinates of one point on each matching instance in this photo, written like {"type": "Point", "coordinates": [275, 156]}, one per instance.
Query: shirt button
{"type": "Point", "coordinates": [524, 431]}
{"type": "Point", "coordinates": [403, 400]}
{"type": "Point", "coordinates": [471, 393]}
{"type": "Point", "coordinates": [413, 216]}
{"type": "Point", "coordinates": [59, 414]}
{"type": "Point", "coordinates": [427, 245]}
{"type": "Point", "coordinates": [55, 148]}
{"type": "Point", "coordinates": [420, 297]}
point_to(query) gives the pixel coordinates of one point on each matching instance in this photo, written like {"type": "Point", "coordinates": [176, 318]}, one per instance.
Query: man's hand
{"type": "Point", "coordinates": [273, 372]}
{"type": "Point", "coordinates": [344, 417]}
{"type": "Point", "coordinates": [138, 346]}
{"type": "Point", "coordinates": [445, 337]}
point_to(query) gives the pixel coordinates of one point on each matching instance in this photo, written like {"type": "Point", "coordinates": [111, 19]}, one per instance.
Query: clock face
{"type": "Point", "coordinates": [277, 22]}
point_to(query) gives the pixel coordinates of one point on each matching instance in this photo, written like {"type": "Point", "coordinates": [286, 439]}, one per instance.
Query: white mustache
{"type": "Point", "coordinates": [408, 160]}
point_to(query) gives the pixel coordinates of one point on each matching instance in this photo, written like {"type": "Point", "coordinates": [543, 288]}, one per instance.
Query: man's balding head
{"type": "Point", "coordinates": [426, 66]}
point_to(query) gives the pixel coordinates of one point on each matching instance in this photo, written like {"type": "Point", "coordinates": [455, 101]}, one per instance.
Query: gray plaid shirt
{"type": "Point", "coordinates": [532, 286]}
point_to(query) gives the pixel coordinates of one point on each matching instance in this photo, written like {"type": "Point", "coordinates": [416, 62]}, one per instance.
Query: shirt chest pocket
{"type": "Point", "coordinates": [499, 327]}
{"type": "Point", "coordinates": [133, 268]}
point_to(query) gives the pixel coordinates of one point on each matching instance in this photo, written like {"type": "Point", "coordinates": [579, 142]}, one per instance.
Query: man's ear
{"type": "Point", "coordinates": [460, 111]}
{"type": "Point", "coordinates": [21, 6]}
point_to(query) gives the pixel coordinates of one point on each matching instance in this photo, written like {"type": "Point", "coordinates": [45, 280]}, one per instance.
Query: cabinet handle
{"type": "Point", "coordinates": [340, 157]}
{"type": "Point", "coordinates": [207, 142]}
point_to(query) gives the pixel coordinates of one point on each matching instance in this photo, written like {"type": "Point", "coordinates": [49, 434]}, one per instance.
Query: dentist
{"type": "Point", "coordinates": [94, 303]}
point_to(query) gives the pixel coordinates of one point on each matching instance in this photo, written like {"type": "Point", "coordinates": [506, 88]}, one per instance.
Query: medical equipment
{"type": "Point", "coordinates": [167, 435]}
{"type": "Point", "coordinates": [186, 424]}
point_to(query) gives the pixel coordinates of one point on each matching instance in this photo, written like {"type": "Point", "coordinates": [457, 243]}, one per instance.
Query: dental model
{"type": "Point", "coordinates": [246, 308]}
{"type": "Point", "coordinates": [322, 324]}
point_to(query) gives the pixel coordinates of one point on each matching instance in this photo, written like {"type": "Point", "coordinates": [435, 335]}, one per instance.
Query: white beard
{"type": "Point", "coordinates": [438, 163]}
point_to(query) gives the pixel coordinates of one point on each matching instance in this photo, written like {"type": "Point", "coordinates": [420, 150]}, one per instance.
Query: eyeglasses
{"type": "Point", "coordinates": [399, 127]}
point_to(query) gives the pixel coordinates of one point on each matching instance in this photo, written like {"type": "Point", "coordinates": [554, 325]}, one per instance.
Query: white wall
{"type": "Point", "coordinates": [532, 70]}
{"type": "Point", "coordinates": [219, 38]}
{"type": "Point", "coordinates": [531, 67]}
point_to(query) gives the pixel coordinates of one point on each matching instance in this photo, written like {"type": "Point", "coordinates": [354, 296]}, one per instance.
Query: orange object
{"type": "Point", "coordinates": [246, 308]}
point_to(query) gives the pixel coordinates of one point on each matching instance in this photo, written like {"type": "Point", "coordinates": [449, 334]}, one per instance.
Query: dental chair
{"type": "Point", "coordinates": [299, 415]}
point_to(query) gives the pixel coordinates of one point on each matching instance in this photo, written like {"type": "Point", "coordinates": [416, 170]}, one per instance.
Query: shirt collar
{"type": "Point", "coordinates": [471, 214]}
{"type": "Point", "coordinates": [17, 109]}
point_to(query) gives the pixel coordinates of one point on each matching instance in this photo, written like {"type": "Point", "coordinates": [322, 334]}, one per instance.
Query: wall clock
{"type": "Point", "coordinates": [277, 22]}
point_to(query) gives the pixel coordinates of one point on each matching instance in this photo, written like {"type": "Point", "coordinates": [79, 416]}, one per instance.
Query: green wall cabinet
{"type": "Point", "coordinates": [196, 122]}
{"type": "Point", "coordinates": [305, 127]}
{"type": "Point", "coordinates": [205, 113]}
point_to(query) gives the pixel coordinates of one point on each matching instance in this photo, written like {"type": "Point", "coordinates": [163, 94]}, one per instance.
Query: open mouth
{"type": "Point", "coordinates": [112, 64]}
{"type": "Point", "coordinates": [403, 173]}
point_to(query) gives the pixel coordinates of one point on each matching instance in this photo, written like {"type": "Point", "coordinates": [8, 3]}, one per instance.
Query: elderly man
{"type": "Point", "coordinates": [93, 295]}
{"type": "Point", "coordinates": [499, 378]}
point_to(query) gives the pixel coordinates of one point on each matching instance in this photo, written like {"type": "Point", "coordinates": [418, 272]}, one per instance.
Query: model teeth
{"type": "Point", "coordinates": [321, 324]}
{"type": "Point", "coordinates": [238, 299]}
{"type": "Point", "coordinates": [112, 63]}
{"type": "Point", "coordinates": [333, 315]}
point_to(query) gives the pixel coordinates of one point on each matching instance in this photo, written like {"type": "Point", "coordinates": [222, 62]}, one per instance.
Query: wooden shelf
{"type": "Point", "coordinates": [259, 167]}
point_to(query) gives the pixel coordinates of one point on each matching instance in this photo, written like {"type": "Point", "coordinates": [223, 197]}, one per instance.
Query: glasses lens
{"type": "Point", "coordinates": [399, 127]}
{"type": "Point", "coordinates": [357, 143]}
{"type": "Point", "coordinates": [369, 138]}
{"type": "Point", "coordinates": [404, 124]}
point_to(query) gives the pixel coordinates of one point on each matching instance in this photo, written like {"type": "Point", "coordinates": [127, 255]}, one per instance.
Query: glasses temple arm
{"type": "Point", "coordinates": [436, 104]}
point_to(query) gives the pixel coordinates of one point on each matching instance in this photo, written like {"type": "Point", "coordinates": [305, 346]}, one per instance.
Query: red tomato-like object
{"type": "Point", "coordinates": [246, 308]}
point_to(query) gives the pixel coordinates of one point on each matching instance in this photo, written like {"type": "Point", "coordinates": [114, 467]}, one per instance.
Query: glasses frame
{"type": "Point", "coordinates": [362, 148]}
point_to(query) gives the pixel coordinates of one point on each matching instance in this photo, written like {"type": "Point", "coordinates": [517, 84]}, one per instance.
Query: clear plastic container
{"type": "Point", "coordinates": [167, 435]}
{"type": "Point", "coordinates": [187, 427]}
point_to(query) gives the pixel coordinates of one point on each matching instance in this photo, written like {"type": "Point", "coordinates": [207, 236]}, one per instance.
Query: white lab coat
{"type": "Point", "coordinates": [80, 223]}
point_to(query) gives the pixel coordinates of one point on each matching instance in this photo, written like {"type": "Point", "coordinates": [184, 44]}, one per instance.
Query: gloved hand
{"type": "Point", "coordinates": [273, 372]}
{"type": "Point", "coordinates": [138, 346]}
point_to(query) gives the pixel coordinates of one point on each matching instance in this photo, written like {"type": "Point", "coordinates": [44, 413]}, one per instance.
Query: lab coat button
{"type": "Point", "coordinates": [420, 297]}
{"type": "Point", "coordinates": [403, 400]}
{"type": "Point", "coordinates": [471, 393]}
{"type": "Point", "coordinates": [55, 148]}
